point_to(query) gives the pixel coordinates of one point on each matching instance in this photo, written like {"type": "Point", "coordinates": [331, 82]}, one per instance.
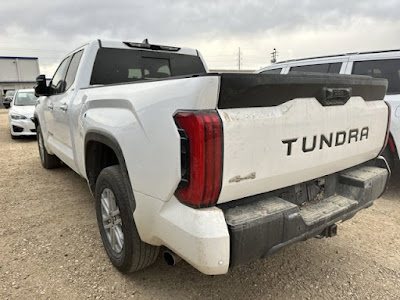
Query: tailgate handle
{"type": "Point", "coordinates": [334, 96]}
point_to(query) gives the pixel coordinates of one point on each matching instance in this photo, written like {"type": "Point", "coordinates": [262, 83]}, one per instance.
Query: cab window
{"type": "Point", "coordinates": [388, 68]}
{"type": "Point", "coordinates": [72, 69]}
{"type": "Point", "coordinates": [333, 68]}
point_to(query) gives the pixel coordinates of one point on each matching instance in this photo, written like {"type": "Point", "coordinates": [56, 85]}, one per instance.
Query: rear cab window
{"type": "Point", "coordinates": [126, 65]}
{"type": "Point", "coordinates": [385, 68]}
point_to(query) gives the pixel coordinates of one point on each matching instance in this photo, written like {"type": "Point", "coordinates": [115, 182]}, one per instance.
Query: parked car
{"type": "Point", "coordinates": [8, 97]}
{"type": "Point", "coordinates": [20, 115]}
{"type": "Point", "coordinates": [378, 64]}
{"type": "Point", "coordinates": [221, 169]}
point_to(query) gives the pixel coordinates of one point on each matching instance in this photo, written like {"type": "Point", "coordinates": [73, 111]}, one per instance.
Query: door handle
{"type": "Point", "coordinates": [64, 107]}
{"type": "Point", "coordinates": [50, 106]}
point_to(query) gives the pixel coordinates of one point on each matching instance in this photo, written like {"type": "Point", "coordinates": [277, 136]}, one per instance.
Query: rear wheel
{"type": "Point", "coordinates": [388, 155]}
{"type": "Point", "coordinates": [47, 160]}
{"type": "Point", "coordinates": [117, 228]}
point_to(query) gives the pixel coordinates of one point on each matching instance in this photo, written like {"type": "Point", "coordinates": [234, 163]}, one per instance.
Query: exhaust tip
{"type": "Point", "coordinates": [171, 258]}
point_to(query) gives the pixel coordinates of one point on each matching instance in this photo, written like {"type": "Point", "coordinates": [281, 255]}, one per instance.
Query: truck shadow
{"type": "Point", "coordinates": [25, 139]}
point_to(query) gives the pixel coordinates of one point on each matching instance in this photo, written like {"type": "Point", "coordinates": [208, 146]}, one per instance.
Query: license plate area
{"type": "Point", "coordinates": [306, 193]}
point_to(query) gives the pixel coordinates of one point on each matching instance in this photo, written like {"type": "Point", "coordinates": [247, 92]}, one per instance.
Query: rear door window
{"type": "Point", "coordinates": [388, 68]}
{"type": "Point", "coordinates": [333, 68]}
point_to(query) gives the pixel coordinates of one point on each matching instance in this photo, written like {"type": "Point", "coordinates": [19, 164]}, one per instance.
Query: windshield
{"type": "Point", "coordinates": [10, 94]}
{"type": "Point", "coordinates": [25, 99]}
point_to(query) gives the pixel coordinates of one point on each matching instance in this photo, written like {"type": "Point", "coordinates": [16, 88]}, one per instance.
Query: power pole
{"type": "Point", "coordinates": [240, 58]}
{"type": "Point", "coordinates": [274, 55]}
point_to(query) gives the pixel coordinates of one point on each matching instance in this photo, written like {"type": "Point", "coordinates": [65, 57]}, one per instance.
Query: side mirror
{"type": "Point", "coordinates": [41, 88]}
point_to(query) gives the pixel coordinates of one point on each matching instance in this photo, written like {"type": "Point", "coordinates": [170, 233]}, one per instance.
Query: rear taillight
{"type": "Point", "coordinates": [201, 157]}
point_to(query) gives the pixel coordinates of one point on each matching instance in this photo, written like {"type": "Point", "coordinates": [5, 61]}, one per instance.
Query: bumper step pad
{"type": "Point", "coordinates": [321, 211]}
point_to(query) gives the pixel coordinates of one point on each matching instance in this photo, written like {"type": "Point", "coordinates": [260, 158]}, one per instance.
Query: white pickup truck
{"type": "Point", "coordinates": [221, 169]}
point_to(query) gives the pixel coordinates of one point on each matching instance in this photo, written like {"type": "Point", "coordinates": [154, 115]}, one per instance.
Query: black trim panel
{"type": "Point", "coordinates": [265, 90]}
{"type": "Point", "coordinates": [111, 142]}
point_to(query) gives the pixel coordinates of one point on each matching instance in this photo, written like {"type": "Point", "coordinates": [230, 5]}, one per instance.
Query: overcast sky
{"type": "Point", "coordinates": [301, 28]}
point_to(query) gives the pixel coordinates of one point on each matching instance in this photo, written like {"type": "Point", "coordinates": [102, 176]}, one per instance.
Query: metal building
{"type": "Point", "coordinates": [17, 73]}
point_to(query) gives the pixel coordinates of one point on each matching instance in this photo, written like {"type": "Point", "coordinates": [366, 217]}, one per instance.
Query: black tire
{"type": "Point", "coordinates": [13, 137]}
{"type": "Point", "coordinates": [388, 155]}
{"type": "Point", "coordinates": [134, 254]}
{"type": "Point", "coordinates": [47, 160]}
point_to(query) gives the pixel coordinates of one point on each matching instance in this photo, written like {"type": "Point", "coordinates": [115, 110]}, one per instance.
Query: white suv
{"type": "Point", "coordinates": [380, 64]}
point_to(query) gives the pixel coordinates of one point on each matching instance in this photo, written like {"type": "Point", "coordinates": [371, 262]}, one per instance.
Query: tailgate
{"type": "Point", "coordinates": [280, 130]}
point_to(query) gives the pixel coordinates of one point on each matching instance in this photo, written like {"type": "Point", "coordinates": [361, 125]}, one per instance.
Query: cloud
{"type": "Point", "coordinates": [217, 28]}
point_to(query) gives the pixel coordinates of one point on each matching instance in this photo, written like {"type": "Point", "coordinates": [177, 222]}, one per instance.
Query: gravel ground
{"type": "Point", "coordinates": [51, 248]}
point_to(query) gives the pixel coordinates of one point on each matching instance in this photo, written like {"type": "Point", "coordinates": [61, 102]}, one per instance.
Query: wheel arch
{"type": "Point", "coordinates": [103, 150]}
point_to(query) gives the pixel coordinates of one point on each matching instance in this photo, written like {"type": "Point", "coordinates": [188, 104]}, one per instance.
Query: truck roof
{"type": "Point", "coordinates": [146, 46]}
{"type": "Point", "coordinates": [139, 46]}
{"type": "Point", "coordinates": [336, 55]}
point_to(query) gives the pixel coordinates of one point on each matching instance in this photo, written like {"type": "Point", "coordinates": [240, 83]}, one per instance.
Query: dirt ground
{"type": "Point", "coordinates": [50, 248]}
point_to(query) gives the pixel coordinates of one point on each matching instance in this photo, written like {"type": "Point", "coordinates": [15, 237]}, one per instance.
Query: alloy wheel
{"type": "Point", "coordinates": [112, 222]}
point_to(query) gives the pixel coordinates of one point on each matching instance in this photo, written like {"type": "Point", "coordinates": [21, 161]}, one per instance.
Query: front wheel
{"type": "Point", "coordinates": [117, 228]}
{"type": "Point", "coordinates": [47, 160]}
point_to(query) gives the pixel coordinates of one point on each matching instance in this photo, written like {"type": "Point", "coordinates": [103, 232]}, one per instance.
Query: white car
{"type": "Point", "coordinates": [378, 64]}
{"type": "Point", "coordinates": [20, 116]}
{"type": "Point", "coordinates": [8, 98]}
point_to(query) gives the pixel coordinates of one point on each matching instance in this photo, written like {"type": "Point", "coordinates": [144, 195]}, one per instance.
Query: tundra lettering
{"type": "Point", "coordinates": [340, 139]}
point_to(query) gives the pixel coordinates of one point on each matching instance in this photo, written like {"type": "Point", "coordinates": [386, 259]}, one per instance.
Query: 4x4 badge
{"type": "Point", "coordinates": [239, 178]}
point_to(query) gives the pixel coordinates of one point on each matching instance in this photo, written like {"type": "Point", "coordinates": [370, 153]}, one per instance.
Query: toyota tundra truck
{"type": "Point", "coordinates": [218, 169]}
